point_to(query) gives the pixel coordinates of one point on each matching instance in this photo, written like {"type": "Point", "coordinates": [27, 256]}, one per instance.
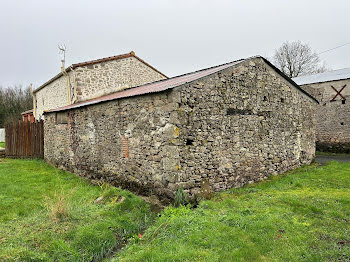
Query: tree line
{"type": "Point", "coordinates": [13, 101]}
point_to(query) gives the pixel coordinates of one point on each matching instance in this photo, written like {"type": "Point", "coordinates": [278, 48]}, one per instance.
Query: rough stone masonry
{"type": "Point", "coordinates": [226, 129]}
{"type": "Point", "coordinates": [332, 117]}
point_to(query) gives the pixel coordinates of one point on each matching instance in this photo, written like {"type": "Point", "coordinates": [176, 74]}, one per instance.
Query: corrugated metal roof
{"type": "Point", "coordinates": [334, 75]}
{"type": "Point", "coordinates": [173, 82]}
{"type": "Point", "coordinates": [154, 87]}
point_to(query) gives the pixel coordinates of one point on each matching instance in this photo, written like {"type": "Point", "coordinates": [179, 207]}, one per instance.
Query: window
{"type": "Point", "coordinates": [343, 102]}
{"type": "Point", "coordinates": [62, 118]}
{"type": "Point", "coordinates": [265, 98]}
{"type": "Point", "coordinates": [282, 100]}
{"type": "Point", "coordinates": [342, 123]}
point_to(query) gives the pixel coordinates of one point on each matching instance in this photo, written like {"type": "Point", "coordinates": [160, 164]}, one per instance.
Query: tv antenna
{"type": "Point", "coordinates": [62, 50]}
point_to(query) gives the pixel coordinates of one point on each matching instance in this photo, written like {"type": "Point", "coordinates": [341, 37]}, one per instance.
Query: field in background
{"type": "Point", "coordinates": [2, 144]}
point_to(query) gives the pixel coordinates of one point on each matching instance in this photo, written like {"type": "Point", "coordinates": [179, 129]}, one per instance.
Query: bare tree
{"type": "Point", "coordinates": [297, 59]}
{"type": "Point", "coordinates": [13, 101]}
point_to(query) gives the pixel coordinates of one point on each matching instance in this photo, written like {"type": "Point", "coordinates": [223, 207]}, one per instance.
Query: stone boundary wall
{"type": "Point", "coordinates": [234, 127]}
{"type": "Point", "coordinates": [332, 118]}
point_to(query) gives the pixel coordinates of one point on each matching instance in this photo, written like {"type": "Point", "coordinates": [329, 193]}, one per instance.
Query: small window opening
{"type": "Point", "coordinates": [343, 102]}
{"type": "Point", "coordinates": [342, 123]}
{"type": "Point", "coordinates": [265, 98]}
{"type": "Point", "coordinates": [61, 118]}
{"type": "Point", "coordinates": [282, 100]}
{"type": "Point", "coordinates": [189, 142]}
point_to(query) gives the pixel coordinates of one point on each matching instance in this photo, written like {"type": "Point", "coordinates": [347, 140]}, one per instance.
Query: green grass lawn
{"type": "Point", "coordinates": [300, 216]}
{"type": "Point", "coordinates": [2, 144]}
{"type": "Point", "coordinates": [51, 215]}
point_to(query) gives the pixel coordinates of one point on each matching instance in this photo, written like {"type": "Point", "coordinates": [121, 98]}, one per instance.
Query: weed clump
{"type": "Point", "coordinates": [180, 198]}
{"type": "Point", "coordinates": [57, 207]}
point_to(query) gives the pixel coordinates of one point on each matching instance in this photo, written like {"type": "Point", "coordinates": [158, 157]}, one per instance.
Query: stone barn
{"type": "Point", "coordinates": [220, 127]}
{"type": "Point", "coordinates": [331, 89]}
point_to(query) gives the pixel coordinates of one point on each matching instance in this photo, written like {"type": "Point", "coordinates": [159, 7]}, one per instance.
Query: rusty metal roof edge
{"type": "Point", "coordinates": [233, 63]}
{"type": "Point", "coordinates": [93, 101]}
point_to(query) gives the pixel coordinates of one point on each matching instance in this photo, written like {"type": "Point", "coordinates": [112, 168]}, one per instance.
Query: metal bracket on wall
{"type": "Point", "coordinates": [338, 93]}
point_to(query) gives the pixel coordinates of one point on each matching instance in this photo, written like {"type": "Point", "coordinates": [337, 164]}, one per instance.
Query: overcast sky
{"type": "Point", "coordinates": [175, 36]}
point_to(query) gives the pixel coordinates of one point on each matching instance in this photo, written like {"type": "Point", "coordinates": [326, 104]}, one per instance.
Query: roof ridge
{"type": "Point", "coordinates": [104, 59]}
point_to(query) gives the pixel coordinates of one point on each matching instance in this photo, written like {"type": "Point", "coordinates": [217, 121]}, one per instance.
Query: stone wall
{"type": "Point", "coordinates": [332, 118]}
{"type": "Point", "coordinates": [225, 130]}
{"type": "Point", "coordinates": [53, 95]}
{"type": "Point", "coordinates": [112, 76]}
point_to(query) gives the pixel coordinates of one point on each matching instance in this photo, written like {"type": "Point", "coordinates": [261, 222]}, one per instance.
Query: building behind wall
{"type": "Point", "coordinates": [28, 116]}
{"type": "Point", "coordinates": [2, 134]}
{"type": "Point", "coordinates": [220, 127]}
{"type": "Point", "coordinates": [332, 118]}
{"type": "Point", "coordinates": [88, 80]}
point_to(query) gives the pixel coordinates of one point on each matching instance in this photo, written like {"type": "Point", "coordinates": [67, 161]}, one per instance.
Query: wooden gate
{"type": "Point", "coordinates": [25, 139]}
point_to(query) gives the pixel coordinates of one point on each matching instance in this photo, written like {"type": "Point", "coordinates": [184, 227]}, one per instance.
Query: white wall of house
{"type": "Point", "coordinates": [52, 96]}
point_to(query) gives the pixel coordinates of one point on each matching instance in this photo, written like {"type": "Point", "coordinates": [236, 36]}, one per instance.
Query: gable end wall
{"type": "Point", "coordinates": [108, 77]}
{"type": "Point", "coordinates": [53, 95]}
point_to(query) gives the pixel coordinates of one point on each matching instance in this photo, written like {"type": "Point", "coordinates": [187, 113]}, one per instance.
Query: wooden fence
{"type": "Point", "coordinates": [25, 139]}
